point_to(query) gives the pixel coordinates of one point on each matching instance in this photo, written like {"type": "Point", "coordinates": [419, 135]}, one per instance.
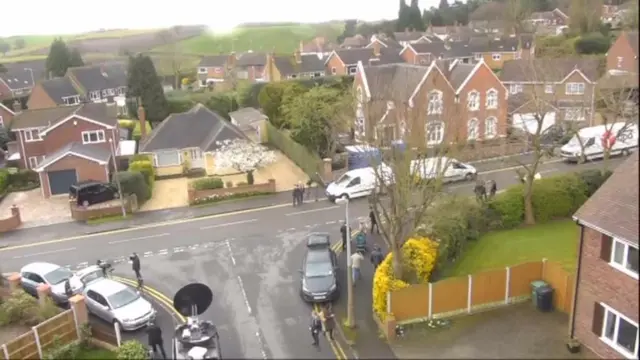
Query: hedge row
{"type": "Point", "coordinates": [18, 180]}
{"type": "Point", "coordinates": [207, 184]}
{"type": "Point", "coordinates": [418, 260]}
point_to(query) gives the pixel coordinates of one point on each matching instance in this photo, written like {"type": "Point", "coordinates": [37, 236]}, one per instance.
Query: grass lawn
{"type": "Point", "coordinates": [96, 353]}
{"type": "Point", "coordinates": [556, 241]}
{"type": "Point", "coordinates": [278, 38]}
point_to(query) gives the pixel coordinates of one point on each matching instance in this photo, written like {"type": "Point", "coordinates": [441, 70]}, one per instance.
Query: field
{"type": "Point", "coordinates": [278, 38]}
{"type": "Point", "coordinates": [556, 241]}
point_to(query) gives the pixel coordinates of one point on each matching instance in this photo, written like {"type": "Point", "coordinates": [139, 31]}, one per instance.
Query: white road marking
{"type": "Point", "coordinates": [147, 254]}
{"type": "Point", "coordinates": [313, 210]}
{"type": "Point", "coordinates": [228, 224]}
{"type": "Point", "coordinates": [44, 253]}
{"type": "Point", "coordinates": [330, 222]}
{"type": "Point", "coordinates": [163, 252]}
{"type": "Point", "coordinates": [178, 249]}
{"type": "Point", "coordinates": [83, 265]}
{"type": "Point", "coordinates": [138, 238]}
{"type": "Point", "coordinates": [244, 295]}
{"type": "Point", "coordinates": [233, 259]}
{"type": "Point", "coordinates": [291, 229]}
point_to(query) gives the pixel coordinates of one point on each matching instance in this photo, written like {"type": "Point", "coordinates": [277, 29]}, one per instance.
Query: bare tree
{"type": "Point", "coordinates": [515, 16]}
{"type": "Point", "coordinates": [541, 117]}
{"type": "Point", "coordinates": [408, 182]}
{"type": "Point", "coordinates": [169, 39]}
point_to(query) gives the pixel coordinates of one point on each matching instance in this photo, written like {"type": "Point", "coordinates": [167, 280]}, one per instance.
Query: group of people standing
{"type": "Point", "coordinates": [485, 190]}
{"type": "Point", "coordinates": [298, 194]}
{"type": "Point", "coordinates": [316, 327]}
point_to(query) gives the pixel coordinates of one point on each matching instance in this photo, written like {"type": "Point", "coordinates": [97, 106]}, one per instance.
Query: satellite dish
{"type": "Point", "coordinates": [193, 299]}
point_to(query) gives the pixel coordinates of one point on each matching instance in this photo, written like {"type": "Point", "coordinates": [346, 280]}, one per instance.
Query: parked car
{"type": "Point", "coordinates": [92, 192]}
{"type": "Point", "coordinates": [83, 277]}
{"type": "Point", "coordinates": [319, 280]}
{"type": "Point", "coordinates": [117, 303]}
{"type": "Point", "coordinates": [38, 273]}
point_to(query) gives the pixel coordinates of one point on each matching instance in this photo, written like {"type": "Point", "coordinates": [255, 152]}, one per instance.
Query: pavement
{"type": "Point", "coordinates": [249, 258]}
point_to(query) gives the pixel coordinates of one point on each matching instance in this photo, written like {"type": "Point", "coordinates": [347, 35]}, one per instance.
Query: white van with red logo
{"type": "Point", "coordinates": [591, 143]}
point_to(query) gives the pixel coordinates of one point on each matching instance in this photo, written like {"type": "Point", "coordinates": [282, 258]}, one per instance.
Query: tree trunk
{"type": "Point", "coordinates": [605, 160]}
{"type": "Point", "coordinates": [397, 261]}
{"type": "Point", "coordinates": [529, 217]}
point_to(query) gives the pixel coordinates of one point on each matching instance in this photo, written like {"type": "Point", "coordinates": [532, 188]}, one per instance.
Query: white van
{"type": "Point", "coordinates": [355, 183]}
{"type": "Point", "coordinates": [450, 169]}
{"type": "Point", "coordinates": [590, 142]}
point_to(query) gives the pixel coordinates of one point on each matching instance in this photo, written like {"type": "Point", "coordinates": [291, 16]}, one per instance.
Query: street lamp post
{"type": "Point", "coordinates": [112, 146]}
{"type": "Point", "coordinates": [350, 312]}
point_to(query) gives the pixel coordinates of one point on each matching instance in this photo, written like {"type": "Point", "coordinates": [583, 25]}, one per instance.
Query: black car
{"type": "Point", "coordinates": [319, 282]}
{"type": "Point", "coordinates": [92, 192]}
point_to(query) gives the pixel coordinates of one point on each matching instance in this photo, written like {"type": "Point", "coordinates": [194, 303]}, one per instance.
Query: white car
{"type": "Point", "coordinates": [115, 302]}
{"type": "Point", "coordinates": [85, 276]}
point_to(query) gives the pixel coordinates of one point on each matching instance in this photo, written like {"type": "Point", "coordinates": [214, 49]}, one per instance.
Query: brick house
{"type": "Point", "coordinates": [297, 66]}
{"type": "Point", "coordinates": [384, 41]}
{"type": "Point", "coordinates": [52, 93]}
{"type": "Point", "coordinates": [555, 17]}
{"type": "Point", "coordinates": [67, 144]}
{"type": "Point", "coordinates": [425, 53]}
{"type": "Point", "coordinates": [212, 69]}
{"type": "Point", "coordinates": [6, 116]}
{"type": "Point", "coordinates": [246, 66]}
{"type": "Point", "coordinates": [345, 61]}
{"type": "Point", "coordinates": [605, 310]}
{"type": "Point", "coordinates": [622, 56]}
{"type": "Point", "coordinates": [495, 51]}
{"type": "Point", "coordinates": [16, 83]}
{"type": "Point", "coordinates": [462, 102]}
{"type": "Point", "coordinates": [414, 37]}
{"type": "Point", "coordinates": [566, 84]}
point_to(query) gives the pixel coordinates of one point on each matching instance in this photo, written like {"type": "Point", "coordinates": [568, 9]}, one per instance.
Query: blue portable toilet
{"type": "Point", "coordinates": [361, 156]}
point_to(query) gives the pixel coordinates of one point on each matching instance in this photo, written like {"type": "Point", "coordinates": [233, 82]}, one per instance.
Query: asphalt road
{"type": "Point", "coordinates": [249, 259]}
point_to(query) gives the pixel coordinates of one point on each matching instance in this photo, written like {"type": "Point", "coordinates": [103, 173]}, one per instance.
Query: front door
{"type": "Point", "coordinates": [197, 159]}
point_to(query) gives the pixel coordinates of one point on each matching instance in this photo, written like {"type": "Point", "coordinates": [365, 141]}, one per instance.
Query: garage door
{"type": "Point", "coordinates": [60, 181]}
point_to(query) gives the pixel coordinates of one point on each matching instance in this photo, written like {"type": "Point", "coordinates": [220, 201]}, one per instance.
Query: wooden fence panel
{"type": "Point", "coordinates": [23, 347]}
{"type": "Point", "coordinates": [560, 281]}
{"type": "Point", "coordinates": [61, 327]}
{"type": "Point", "coordinates": [570, 293]}
{"type": "Point", "coordinates": [104, 333]}
{"type": "Point", "coordinates": [521, 277]}
{"type": "Point", "coordinates": [488, 287]}
{"type": "Point", "coordinates": [450, 295]}
{"type": "Point", "coordinates": [411, 302]}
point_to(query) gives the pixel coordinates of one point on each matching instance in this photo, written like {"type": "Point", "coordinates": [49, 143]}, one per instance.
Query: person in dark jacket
{"type": "Point", "coordinates": [493, 188]}
{"type": "Point", "coordinates": [135, 264]}
{"type": "Point", "coordinates": [376, 257]}
{"type": "Point", "coordinates": [374, 222]}
{"type": "Point", "coordinates": [343, 232]}
{"type": "Point", "coordinates": [329, 321]}
{"type": "Point", "coordinates": [481, 191]}
{"type": "Point", "coordinates": [315, 328]}
{"type": "Point", "coordinates": [154, 334]}
{"type": "Point", "coordinates": [296, 194]}
{"type": "Point", "coordinates": [67, 288]}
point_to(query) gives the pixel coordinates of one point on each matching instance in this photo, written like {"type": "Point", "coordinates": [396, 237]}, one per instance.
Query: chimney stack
{"type": "Point", "coordinates": [142, 117]}
{"type": "Point", "coordinates": [17, 106]}
{"type": "Point", "coordinates": [376, 48]}
{"type": "Point", "coordinates": [298, 57]}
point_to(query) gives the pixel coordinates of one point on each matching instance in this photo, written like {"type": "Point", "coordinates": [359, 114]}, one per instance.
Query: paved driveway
{"type": "Point", "coordinates": [517, 331]}
{"type": "Point", "coordinates": [169, 193]}
{"type": "Point", "coordinates": [35, 210]}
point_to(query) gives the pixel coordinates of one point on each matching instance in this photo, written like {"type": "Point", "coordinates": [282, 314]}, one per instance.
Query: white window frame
{"type": "Point", "coordinates": [496, 57]}
{"type": "Point", "coordinates": [32, 135]}
{"type": "Point", "coordinates": [105, 93]}
{"type": "Point", "coordinates": [317, 74]}
{"type": "Point", "coordinates": [619, 63]}
{"type": "Point", "coordinates": [435, 105]}
{"type": "Point", "coordinates": [622, 267]}
{"type": "Point", "coordinates": [473, 135]}
{"type": "Point", "coordinates": [155, 159]}
{"type": "Point", "coordinates": [548, 89]}
{"type": "Point", "coordinates": [120, 91]}
{"type": "Point", "coordinates": [334, 71]}
{"type": "Point", "coordinates": [494, 133]}
{"type": "Point", "coordinates": [242, 74]}
{"type": "Point", "coordinates": [34, 161]}
{"type": "Point", "coordinates": [613, 343]}
{"type": "Point", "coordinates": [94, 95]}
{"type": "Point", "coordinates": [202, 70]}
{"type": "Point", "coordinates": [353, 70]}
{"type": "Point", "coordinates": [574, 88]}
{"type": "Point", "coordinates": [491, 102]}
{"type": "Point", "coordinates": [100, 137]}
{"type": "Point", "coordinates": [360, 127]}
{"type": "Point", "coordinates": [111, 92]}
{"type": "Point", "coordinates": [439, 139]}
{"type": "Point", "coordinates": [515, 89]}
{"type": "Point", "coordinates": [477, 56]}
{"type": "Point", "coordinates": [473, 100]}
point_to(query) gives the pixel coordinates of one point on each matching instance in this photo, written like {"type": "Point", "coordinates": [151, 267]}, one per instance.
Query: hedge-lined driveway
{"type": "Point", "coordinates": [35, 210]}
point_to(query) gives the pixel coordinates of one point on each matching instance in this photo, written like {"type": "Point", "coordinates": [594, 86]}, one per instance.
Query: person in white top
{"type": "Point", "coordinates": [356, 260]}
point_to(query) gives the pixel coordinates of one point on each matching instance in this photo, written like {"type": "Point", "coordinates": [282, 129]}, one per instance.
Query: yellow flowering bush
{"type": "Point", "coordinates": [419, 258]}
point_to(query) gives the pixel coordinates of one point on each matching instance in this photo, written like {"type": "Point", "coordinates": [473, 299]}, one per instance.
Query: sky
{"type": "Point", "coordinates": [77, 16]}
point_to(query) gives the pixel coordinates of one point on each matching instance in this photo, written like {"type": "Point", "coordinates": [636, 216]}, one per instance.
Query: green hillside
{"type": "Point", "coordinates": [280, 38]}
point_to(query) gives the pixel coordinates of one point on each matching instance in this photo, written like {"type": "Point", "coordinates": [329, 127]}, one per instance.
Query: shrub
{"type": "Point", "coordinates": [509, 206]}
{"type": "Point", "coordinates": [59, 350]}
{"type": "Point", "coordinates": [137, 133]}
{"type": "Point", "coordinates": [228, 184]}
{"type": "Point", "coordinates": [250, 178]}
{"type": "Point", "coordinates": [23, 178]}
{"type": "Point", "coordinates": [132, 182]}
{"type": "Point", "coordinates": [195, 173]}
{"type": "Point", "coordinates": [127, 124]}
{"type": "Point", "coordinates": [419, 258]}
{"type": "Point", "coordinates": [558, 197]}
{"type": "Point", "coordinates": [4, 180]}
{"type": "Point", "coordinates": [208, 183]}
{"type": "Point", "coordinates": [132, 350]}
{"type": "Point", "coordinates": [141, 157]}
{"type": "Point", "coordinates": [593, 179]}
{"type": "Point", "coordinates": [22, 308]}
{"type": "Point", "coordinates": [146, 169]}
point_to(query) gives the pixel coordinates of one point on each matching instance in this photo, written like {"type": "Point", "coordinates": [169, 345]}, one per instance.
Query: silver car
{"type": "Point", "coordinates": [116, 302]}
{"type": "Point", "coordinates": [38, 273]}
